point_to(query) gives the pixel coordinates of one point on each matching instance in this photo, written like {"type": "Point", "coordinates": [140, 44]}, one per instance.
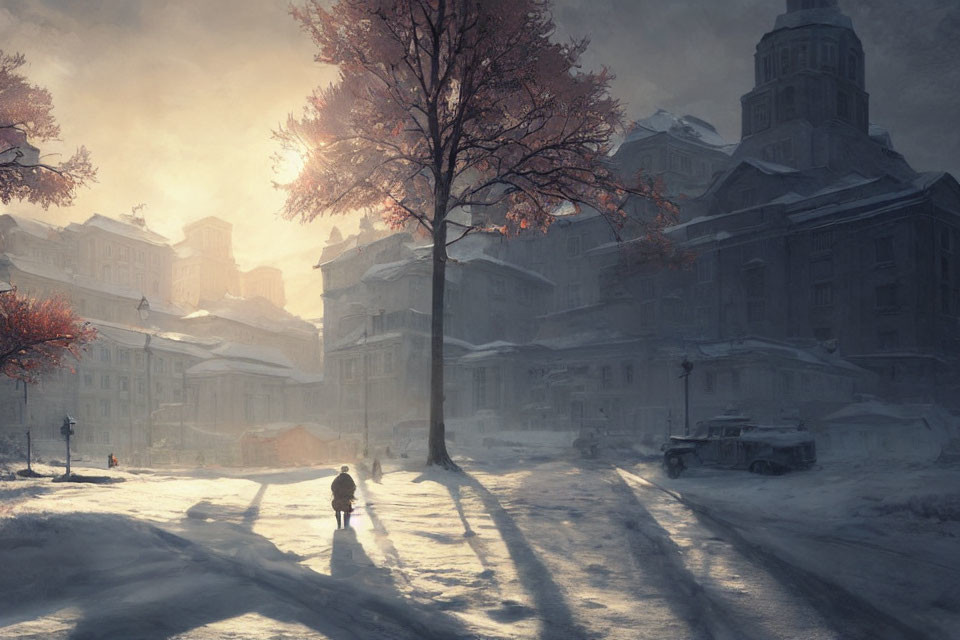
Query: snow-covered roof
{"type": "Point", "coordinates": [254, 312]}
{"type": "Point", "coordinates": [33, 227]}
{"type": "Point", "coordinates": [473, 254]}
{"type": "Point", "coordinates": [120, 228]}
{"type": "Point", "coordinates": [53, 272]}
{"type": "Point", "coordinates": [688, 128]}
{"type": "Point", "coordinates": [769, 168]}
{"type": "Point", "coordinates": [218, 366]}
{"type": "Point", "coordinates": [255, 353]}
{"type": "Point", "coordinates": [388, 271]}
{"type": "Point", "coordinates": [135, 338]}
{"type": "Point", "coordinates": [750, 346]}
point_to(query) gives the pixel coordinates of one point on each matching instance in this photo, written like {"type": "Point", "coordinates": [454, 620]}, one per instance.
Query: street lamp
{"type": "Point", "coordinates": [687, 367]}
{"type": "Point", "coordinates": [143, 310]}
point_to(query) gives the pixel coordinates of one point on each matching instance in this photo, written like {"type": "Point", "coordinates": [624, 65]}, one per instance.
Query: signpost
{"type": "Point", "coordinates": [66, 430]}
{"type": "Point", "coordinates": [687, 369]}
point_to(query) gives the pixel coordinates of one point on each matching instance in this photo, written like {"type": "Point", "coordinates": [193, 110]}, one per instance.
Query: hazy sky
{"type": "Point", "coordinates": [176, 99]}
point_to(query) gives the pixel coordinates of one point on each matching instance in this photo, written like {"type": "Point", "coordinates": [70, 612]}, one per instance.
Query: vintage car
{"type": "Point", "coordinates": [736, 442]}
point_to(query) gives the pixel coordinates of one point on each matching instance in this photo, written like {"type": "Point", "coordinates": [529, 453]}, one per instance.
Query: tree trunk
{"type": "Point", "coordinates": [437, 445]}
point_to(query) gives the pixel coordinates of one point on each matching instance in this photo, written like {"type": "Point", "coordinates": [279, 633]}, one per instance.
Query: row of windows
{"type": "Point", "coordinates": [375, 364]}
{"type": "Point", "coordinates": [804, 56]}
{"type": "Point", "coordinates": [105, 354]}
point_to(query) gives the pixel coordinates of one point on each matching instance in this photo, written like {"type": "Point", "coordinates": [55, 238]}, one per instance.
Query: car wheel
{"type": "Point", "coordinates": [674, 466]}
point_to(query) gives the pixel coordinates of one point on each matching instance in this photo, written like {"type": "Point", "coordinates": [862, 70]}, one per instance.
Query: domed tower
{"type": "Point", "coordinates": [809, 107]}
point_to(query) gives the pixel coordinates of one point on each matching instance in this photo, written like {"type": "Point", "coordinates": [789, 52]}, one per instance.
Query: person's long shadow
{"type": "Point", "coordinates": [130, 579]}
{"type": "Point", "coordinates": [557, 622]}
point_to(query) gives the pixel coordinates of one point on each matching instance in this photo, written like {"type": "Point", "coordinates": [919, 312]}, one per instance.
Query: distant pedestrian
{"type": "Point", "coordinates": [376, 471]}
{"type": "Point", "coordinates": [343, 488]}
{"type": "Point", "coordinates": [112, 461]}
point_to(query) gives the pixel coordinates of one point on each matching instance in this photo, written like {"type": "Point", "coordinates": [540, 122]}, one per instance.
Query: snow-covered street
{"type": "Point", "coordinates": [533, 547]}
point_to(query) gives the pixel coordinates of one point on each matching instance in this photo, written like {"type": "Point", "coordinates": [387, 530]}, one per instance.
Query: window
{"type": "Point", "coordinates": [105, 273]}
{"type": "Point", "coordinates": [138, 360]}
{"type": "Point", "coordinates": [573, 295]}
{"type": "Point", "coordinates": [945, 244]}
{"type": "Point", "coordinates": [628, 372]}
{"type": "Point", "coordinates": [124, 383]}
{"type": "Point", "coordinates": [767, 69]}
{"type": "Point", "coordinates": [388, 362]}
{"type": "Point", "coordinates": [884, 249]}
{"type": "Point", "coordinates": [945, 299]}
{"type": "Point", "coordinates": [88, 379]}
{"type": "Point", "coordinates": [886, 296]}
{"type": "Point", "coordinates": [823, 294]}
{"type": "Point", "coordinates": [761, 115]}
{"type": "Point", "coordinates": [852, 65]}
{"type": "Point", "coordinates": [486, 388]}
{"type": "Point", "coordinates": [348, 369]}
{"type": "Point", "coordinates": [105, 382]}
{"type": "Point", "coordinates": [789, 103]}
{"type": "Point", "coordinates": [802, 56]}
{"type": "Point", "coordinates": [710, 382]}
{"type": "Point", "coordinates": [705, 268]}
{"type": "Point", "coordinates": [104, 354]}
{"type": "Point", "coordinates": [648, 314]}
{"type": "Point", "coordinates": [606, 376]}
{"type": "Point", "coordinates": [822, 241]}
{"type": "Point", "coordinates": [573, 246]}
{"type": "Point", "coordinates": [104, 408]}
{"type": "Point", "coordinates": [124, 253]}
{"type": "Point", "coordinates": [843, 105]}
{"type": "Point", "coordinates": [107, 250]}
{"type": "Point", "coordinates": [735, 381]}
{"type": "Point", "coordinates": [753, 280]}
{"type": "Point", "coordinates": [748, 198]}
{"type": "Point", "coordinates": [945, 268]}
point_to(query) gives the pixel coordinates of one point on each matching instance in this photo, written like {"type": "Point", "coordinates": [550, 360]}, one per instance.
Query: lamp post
{"type": "Point", "coordinates": [687, 367]}
{"type": "Point", "coordinates": [143, 310]}
{"type": "Point", "coordinates": [366, 421]}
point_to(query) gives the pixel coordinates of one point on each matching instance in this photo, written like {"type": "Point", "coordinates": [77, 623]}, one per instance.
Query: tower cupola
{"type": "Point", "coordinates": [808, 86]}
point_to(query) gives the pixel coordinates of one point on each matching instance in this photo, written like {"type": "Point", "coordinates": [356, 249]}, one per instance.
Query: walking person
{"type": "Point", "coordinates": [343, 488]}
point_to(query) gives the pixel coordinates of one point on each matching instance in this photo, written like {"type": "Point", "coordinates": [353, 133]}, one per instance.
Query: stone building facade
{"type": "Point", "coordinates": [151, 381]}
{"type": "Point", "coordinates": [823, 267]}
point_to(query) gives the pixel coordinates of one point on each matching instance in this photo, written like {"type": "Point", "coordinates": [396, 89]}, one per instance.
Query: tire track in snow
{"type": "Point", "coordinates": [841, 609]}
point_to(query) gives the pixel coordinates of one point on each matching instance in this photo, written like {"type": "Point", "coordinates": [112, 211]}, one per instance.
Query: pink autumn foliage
{"type": "Point", "coordinates": [26, 114]}
{"type": "Point", "coordinates": [39, 335]}
{"type": "Point", "coordinates": [457, 103]}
